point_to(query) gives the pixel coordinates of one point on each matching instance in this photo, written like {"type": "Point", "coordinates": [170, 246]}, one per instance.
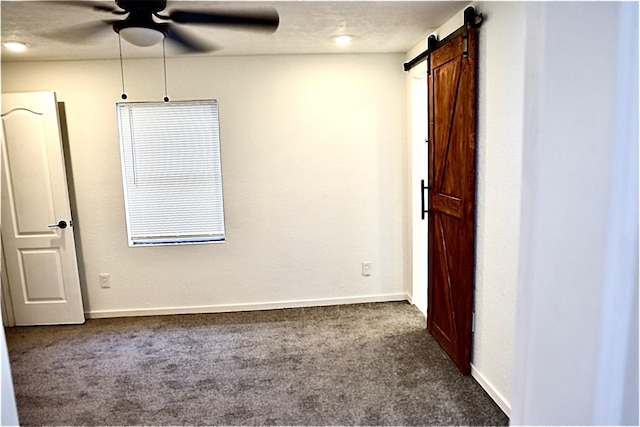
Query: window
{"type": "Point", "coordinates": [171, 172]}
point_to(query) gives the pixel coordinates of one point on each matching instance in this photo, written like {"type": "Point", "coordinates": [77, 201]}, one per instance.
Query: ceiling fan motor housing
{"type": "Point", "coordinates": [148, 6]}
{"type": "Point", "coordinates": [141, 16]}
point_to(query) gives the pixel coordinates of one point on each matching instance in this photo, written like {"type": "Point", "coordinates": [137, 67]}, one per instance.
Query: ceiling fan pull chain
{"type": "Point", "coordinates": [124, 93]}
{"type": "Point", "coordinates": [164, 62]}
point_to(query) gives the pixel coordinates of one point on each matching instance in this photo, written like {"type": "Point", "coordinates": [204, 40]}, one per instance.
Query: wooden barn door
{"type": "Point", "coordinates": [452, 170]}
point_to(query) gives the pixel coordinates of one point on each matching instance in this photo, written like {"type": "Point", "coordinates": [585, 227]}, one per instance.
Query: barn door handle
{"type": "Point", "coordinates": [61, 224]}
{"type": "Point", "coordinates": [424, 211]}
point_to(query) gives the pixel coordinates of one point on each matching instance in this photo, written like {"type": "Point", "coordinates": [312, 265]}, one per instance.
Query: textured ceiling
{"type": "Point", "coordinates": [51, 28]}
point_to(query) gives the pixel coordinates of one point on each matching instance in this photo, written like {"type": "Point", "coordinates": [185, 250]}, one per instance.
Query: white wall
{"type": "Point", "coordinates": [499, 145]}
{"type": "Point", "coordinates": [313, 169]}
{"type": "Point", "coordinates": [500, 121]}
{"type": "Point", "coordinates": [8, 410]}
{"type": "Point", "coordinates": [577, 332]}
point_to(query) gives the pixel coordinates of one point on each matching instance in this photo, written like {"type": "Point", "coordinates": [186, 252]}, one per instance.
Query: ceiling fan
{"type": "Point", "coordinates": [146, 22]}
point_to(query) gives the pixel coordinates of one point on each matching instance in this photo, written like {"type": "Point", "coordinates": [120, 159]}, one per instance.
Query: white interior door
{"type": "Point", "coordinates": [37, 229]}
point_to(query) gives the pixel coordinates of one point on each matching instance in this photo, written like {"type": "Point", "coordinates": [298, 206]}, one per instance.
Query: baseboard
{"type": "Point", "coordinates": [491, 391]}
{"type": "Point", "coordinates": [225, 308]}
{"type": "Point", "coordinates": [409, 298]}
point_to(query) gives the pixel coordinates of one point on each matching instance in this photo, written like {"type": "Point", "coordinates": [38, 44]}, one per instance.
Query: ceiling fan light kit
{"type": "Point", "coordinates": [141, 36]}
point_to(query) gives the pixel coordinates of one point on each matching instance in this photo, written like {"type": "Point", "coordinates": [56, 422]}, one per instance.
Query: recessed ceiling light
{"type": "Point", "coordinates": [342, 39]}
{"type": "Point", "coordinates": [15, 46]}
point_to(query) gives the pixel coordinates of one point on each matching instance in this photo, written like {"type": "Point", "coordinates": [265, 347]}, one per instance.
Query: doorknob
{"type": "Point", "coordinates": [61, 224]}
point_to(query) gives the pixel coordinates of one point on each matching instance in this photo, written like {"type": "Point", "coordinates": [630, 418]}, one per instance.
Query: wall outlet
{"type": "Point", "coordinates": [366, 269]}
{"type": "Point", "coordinates": [105, 281]}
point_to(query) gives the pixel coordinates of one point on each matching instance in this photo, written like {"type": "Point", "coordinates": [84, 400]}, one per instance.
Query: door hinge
{"type": "Point", "coordinates": [473, 321]}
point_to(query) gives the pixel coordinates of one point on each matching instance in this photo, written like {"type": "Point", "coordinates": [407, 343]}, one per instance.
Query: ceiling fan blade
{"type": "Point", "coordinates": [265, 20]}
{"type": "Point", "coordinates": [79, 33]}
{"type": "Point", "coordinates": [189, 43]}
{"type": "Point", "coordinates": [100, 6]}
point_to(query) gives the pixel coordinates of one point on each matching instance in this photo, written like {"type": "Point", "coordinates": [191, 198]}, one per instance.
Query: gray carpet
{"type": "Point", "coordinates": [363, 364]}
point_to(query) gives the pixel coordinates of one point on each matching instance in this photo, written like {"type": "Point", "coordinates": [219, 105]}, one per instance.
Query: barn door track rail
{"type": "Point", "coordinates": [471, 20]}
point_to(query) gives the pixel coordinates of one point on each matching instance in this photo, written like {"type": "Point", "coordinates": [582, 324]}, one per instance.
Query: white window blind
{"type": "Point", "coordinates": [171, 172]}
